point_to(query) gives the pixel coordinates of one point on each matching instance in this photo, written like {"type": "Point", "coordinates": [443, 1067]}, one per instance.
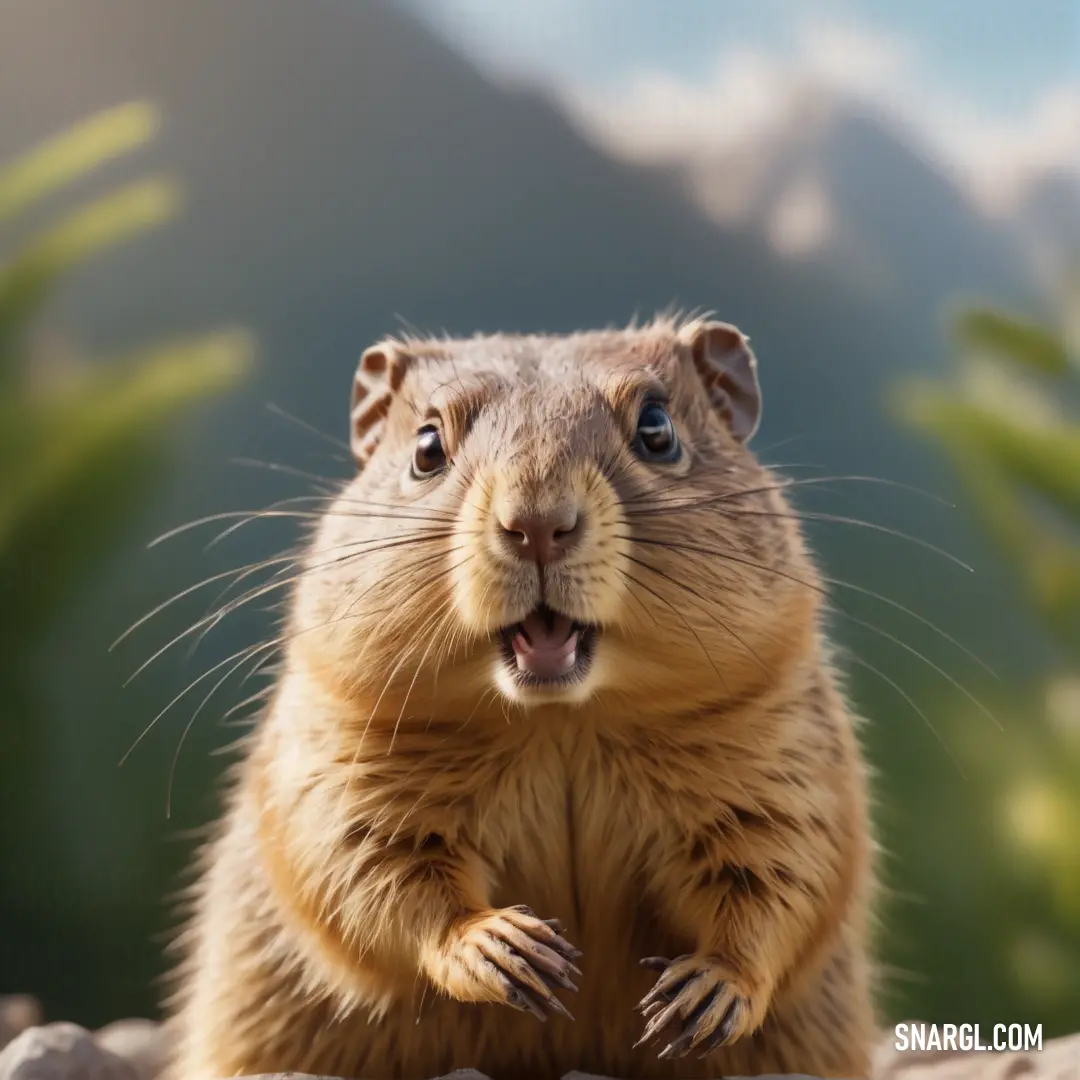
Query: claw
{"type": "Point", "coordinates": [680, 1000]}
{"type": "Point", "coordinates": [667, 993]}
{"type": "Point", "coordinates": [563, 981]}
{"type": "Point", "coordinates": [659, 1021]}
{"type": "Point", "coordinates": [524, 1001]}
{"type": "Point", "coordinates": [692, 1032]}
{"type": "Point", "coordinates": [531, 960]}
{"type": "Point", "coordinates": [561, 945]}
{"type": "Point", "coordinates": [655, 963]}
{"type": "Point", "coordinates": [723, 1031]}
{"type": "Point", "coordinates": [560, 1008]}
{"type": "Point", "coordinates": [664, 1017]}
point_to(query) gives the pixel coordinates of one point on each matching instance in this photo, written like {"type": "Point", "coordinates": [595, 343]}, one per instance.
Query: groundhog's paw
{"type": "Point", "coordinates": [698, 1003]}
{"type": "Point", "coordinates": [511, 956]}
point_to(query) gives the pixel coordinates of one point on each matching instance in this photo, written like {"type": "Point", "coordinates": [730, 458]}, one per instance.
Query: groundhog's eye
{"type": "Point", "coordinates": [429, 457]}
{"type": "Point", "coordinates": [656, 439]}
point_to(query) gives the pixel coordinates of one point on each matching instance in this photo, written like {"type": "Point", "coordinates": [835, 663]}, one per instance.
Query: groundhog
{"type": "Point", "coordinates": [556, 731]}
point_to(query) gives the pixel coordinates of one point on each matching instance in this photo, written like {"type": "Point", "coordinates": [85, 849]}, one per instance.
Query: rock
{"type": "Point", "coordinates": [1059, 1059]}
{"type": "Point", "coordinates": [143, 1044]}
{"type": "Point", "coordinates": [61, 1052]}
{"type": "Point", "coordinates": [135, 1050]}
{"type": "Point", "coordinates": [786, 1076]}
{"type": "Point", "coordinates": [17, 1013]}
{"type": "Point", "coordinates": [457, 1074]}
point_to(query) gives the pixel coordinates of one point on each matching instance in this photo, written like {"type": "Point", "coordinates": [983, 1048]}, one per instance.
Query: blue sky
{"type": "Point", "coordinates": [997, 54]}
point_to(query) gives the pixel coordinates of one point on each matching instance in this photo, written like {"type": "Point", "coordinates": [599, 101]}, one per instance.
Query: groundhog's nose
{"type": "Point", "coordinates": [542, 538]}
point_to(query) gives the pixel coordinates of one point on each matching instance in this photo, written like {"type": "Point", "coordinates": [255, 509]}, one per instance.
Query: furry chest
{"type": "Point", "coordinates": [566, 833]}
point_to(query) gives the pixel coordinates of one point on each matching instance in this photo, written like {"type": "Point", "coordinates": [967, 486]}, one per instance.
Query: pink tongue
{"type": "Point", "coordinates": [547, 649]}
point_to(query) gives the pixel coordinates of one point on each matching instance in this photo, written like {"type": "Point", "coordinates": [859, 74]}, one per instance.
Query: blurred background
{"type": "Point", "coordinates": [208, 210]}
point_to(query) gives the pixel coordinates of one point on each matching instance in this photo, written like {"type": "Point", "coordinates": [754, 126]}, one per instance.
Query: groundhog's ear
{"type": "Point", "coordinates": [728, 368]}
{"type": "Point", "coordinates": [378, 378]}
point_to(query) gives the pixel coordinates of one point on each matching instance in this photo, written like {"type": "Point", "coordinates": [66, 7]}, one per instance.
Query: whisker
{"type": "Point", "coordinates": [417, 564]}
{"type": "Point", "coordinates": [242, 571]}
{"type": "Point", "coordinates": [784, 485]}
{"type": "Point", "coordinates": [839, 519]}
{"type": "Point", "coordinates": [255, 515]}
{"type": "Point", "coordinates": [330, 511]}
{"type": "Point", "coordinates": [352, 551]}
{"type": "Point", "coordinates": [264, 589]}
{"type": "Point", "coordinates": [277, 410]}
{"type": "Point", "coordinates": [286, 470]}
{"type": "Point", "coordinates": [642, 606]}
{"type": "Point", "coordinates": [697, 549]}
{"type": "Point", "coordinates": [248, 651]}
{"type": "Point", "coordinates": [341, 499]}
{"type": "Point", "coordinates": [386, 684]}
{"type": "Point", "coordinates": [215, 614]}
{"type": "Point", "coordinates": [855, 658]}
{"type": "Point", "coordinates": [237, 659]}
{"type": "Point", "coordinates": [838, 582]}
{"type": "Point", "coordinates": [929, 663]}
{"type": "Point", "coordinates": [445, 610]}
{"type": "Point", "coordinates": [188, 726]}
{"type": "Point", "coordinates": [693, 592]}
{"type": "Point", "coordinates": [194, 588]}
{"type": "Point", "coordinates": [667, 603]}
{"type": "Point", "coordinates": [250, 700]}
{"type": "Point", "coordinates": [783, 466]}
{"type": "Point", "coordinates": [215, 604]}
{"type": "Point", "coordinates": [713, 553]}
{"type": "Point", "coordinates": [773, 446]}
{"type": "Point", "coordinates": [929, 624]}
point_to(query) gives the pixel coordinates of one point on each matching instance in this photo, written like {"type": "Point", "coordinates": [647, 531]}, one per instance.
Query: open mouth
{"type": "Point", "coordinates": [547, 649]}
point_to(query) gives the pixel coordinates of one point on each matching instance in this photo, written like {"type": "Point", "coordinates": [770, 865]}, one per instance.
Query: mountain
{"type": "Point", "coordinates": [1047, 222]}
{"type": "Point", "coordinates": [837, 178]}
{"type": "Point", "coordinates": [343, 166]}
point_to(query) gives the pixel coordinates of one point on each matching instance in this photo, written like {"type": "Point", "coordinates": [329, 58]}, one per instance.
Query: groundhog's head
{"type": "Point", "coordinates": [549, 520]}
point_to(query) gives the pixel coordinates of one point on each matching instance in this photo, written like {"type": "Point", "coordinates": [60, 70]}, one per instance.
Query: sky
{"type": "Point", "coordinates": [1003, 53]}
{"type": "Point", "coordinates": [992, 87]}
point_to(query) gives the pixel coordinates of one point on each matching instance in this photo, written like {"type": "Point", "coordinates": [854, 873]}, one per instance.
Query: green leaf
{"type": "Point", "coordinates": [997, 459]}
{"type": "Point", "coordinates": [74, 153]}
{"type": "Point", "coordinates": [70, 428]}
{"type": "Point", "coordinates": [103, 223]}
{"type": "Point", "coordinates": [1047, 562]}
{"type": "Point", "coordinates": [89, 452]}
{"type": "Point", "coordinates": [1044, 458]}
{"type": "Point", "coordinates": [1013, 338]}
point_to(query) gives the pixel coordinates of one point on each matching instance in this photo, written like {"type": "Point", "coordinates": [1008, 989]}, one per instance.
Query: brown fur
{"type": "Point", "coordinates": [702, 793]}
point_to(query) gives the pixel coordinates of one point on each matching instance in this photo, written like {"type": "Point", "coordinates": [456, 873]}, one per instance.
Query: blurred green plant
{"type": "Point", "coordinates": [81, 439]}
{"type": "Point", "coordinates": [1009, 420]}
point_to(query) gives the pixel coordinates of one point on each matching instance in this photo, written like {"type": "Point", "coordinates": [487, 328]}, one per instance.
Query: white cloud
{"type": "Point", "coordinates": [754, 98]}
{"type": "Point", "coordinates": [850, 59]}
{"type": "Point", "coordinates": [662, 117]}
{"type": "Point", "coordinates": [1001, 159]}
{"type": "Point", "coordinates": [802, 220]}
